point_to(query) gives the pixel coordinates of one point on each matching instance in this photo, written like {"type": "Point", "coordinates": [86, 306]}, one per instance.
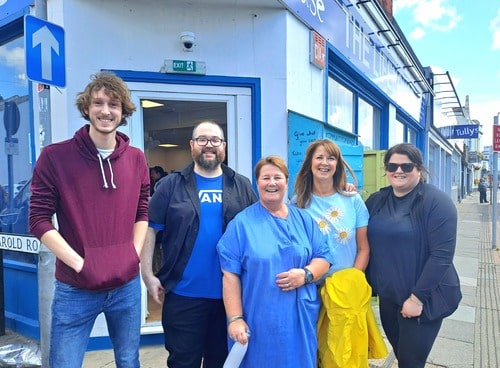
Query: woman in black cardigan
{"type": "Point", "coordinates": [412, 236]}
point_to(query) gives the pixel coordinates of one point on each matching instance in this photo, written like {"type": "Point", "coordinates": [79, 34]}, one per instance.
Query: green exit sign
{"type": "Point", "coordinates": [184, 67]}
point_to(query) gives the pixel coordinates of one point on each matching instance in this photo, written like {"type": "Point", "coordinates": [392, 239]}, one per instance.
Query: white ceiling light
{"type": "Point", "coordinates": [148, 104]}
{"type": "Point", "coordinates": [168, 145]}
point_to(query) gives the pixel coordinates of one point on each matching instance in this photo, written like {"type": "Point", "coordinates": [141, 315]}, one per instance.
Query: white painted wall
{"type": "Point", "coordinates": [131, 36]}
{"type": "Point", "coordinates": [268, 43]}
{"type": "Point", "coordinates": [306, 84]}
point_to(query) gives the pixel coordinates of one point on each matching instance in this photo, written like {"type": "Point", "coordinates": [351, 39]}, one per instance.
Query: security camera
{"type": "Point", "coordinates": [187, 39]}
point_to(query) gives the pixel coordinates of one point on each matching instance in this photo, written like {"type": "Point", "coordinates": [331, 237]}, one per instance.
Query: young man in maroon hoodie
{"type": "Point", "coordinates": [97, 185]}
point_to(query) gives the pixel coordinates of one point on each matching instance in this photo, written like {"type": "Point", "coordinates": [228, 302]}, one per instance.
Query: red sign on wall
{"type": "Point", "coordinates": [496, 138]}
{"type": "Point", "coordinates": [318, 50]}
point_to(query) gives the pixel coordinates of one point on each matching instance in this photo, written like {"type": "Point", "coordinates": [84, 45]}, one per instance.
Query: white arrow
{"type": "Point", "coordinates": [48, 42]}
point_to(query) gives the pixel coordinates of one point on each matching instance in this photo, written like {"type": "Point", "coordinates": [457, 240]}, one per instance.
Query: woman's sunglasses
{"type": "Point", "coordinates": [390, 167]}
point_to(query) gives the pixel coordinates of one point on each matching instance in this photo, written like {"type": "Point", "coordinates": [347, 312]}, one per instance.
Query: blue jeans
{"type": "Point", "coordinates": [74, 312]}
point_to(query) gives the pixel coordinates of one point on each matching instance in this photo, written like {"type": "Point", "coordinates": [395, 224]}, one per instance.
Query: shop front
{"type": "Point", "coordinates": [275, 74]}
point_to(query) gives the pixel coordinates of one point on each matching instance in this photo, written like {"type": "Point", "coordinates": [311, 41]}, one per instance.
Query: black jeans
{"type": "Point", "coordinates": [411, 339]}
{"type": "Point", "coordinates": [194, 328]}
{"type": "Point", "coordinates": [482, 197]}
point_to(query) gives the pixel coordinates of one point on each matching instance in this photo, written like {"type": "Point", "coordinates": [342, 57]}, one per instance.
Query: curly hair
{"type": "Point", "coordinates": [113, 86]}
{"type": "Point", "coordinates": [304, 181]}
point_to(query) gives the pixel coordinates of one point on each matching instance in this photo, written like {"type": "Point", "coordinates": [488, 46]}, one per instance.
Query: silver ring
{"type": "Point", "coordinates": [288, 285]}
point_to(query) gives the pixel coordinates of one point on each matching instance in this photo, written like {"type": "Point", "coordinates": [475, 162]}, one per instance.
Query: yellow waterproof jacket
{"type": "Point", "coordinates": [348, 334]}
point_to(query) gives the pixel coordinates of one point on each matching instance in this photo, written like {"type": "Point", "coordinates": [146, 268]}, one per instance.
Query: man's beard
{"type": "Point", "coordinates": [209, 164]}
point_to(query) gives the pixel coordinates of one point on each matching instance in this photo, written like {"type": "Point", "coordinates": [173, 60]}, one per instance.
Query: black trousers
{"type": "Point", "coordinates": [410, 338]}
{"type": "Point", "coordinates": [194, 329]}
{"type": "Point", "coordinates": [482, 197]}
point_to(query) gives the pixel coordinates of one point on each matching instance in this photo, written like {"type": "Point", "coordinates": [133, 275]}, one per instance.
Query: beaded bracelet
{"type": "Point", "coordinates": [235, 318]}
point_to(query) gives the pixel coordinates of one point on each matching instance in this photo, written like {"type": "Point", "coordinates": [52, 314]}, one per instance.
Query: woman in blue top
{"type": "Point", "coordinates": [270, 255]}
{"type": "Point", "coordinates": [339, 214]}
{"type": "Point", "coordinates": [343, 218]}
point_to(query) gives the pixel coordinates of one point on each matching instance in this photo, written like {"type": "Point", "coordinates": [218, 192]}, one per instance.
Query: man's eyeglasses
{"type": "Point", "coordinates": [408, 167]}
{"type": "Point", "coordinates": [202, 141]}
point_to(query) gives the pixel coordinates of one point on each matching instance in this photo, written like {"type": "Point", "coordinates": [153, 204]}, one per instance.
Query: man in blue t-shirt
{"type": "Point", "coordinates": [192, 207]}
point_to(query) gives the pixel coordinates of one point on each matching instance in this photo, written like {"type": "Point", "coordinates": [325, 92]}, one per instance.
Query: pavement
{"type": "Point", "coordinates": [469, 338]}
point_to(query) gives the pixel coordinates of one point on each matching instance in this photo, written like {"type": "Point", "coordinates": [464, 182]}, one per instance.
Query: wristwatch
{"type": "Point", "coordinates": [309, 277]}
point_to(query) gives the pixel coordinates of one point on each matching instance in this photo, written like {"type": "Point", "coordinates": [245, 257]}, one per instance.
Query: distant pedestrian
{"type": "Point", "coordinates": [97, 185]}
{"type": "Point", "coordinates": [483, 188]}
{"type": "Point", "coordinates": [412, 234]}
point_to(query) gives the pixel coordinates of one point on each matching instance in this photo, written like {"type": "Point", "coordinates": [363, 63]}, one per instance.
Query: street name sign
{"type": "Point", "coordinates": [496, 138]}
{"type": "Point", "coordinates": [45, 52]}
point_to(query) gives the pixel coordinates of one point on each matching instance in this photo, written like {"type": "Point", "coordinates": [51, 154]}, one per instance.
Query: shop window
{"type": "Point", "coordinates": [368, 123]}
{"type": "Point", "coordinates": [412, 136]}
{"type": "Point", "coordinates": [345, 107]}
{"type": "Point", "coordinates": [340, 106]}
{"type": "Point", "coordinates": [433, 164]}
{"type": "Point", "coordinates": [396, 134]}
{"type": "Point", "coordinates": [15, 160]}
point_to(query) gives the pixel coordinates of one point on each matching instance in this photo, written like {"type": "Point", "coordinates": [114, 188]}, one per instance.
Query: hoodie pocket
{"type": "Point", "coordinates": [108, 267]}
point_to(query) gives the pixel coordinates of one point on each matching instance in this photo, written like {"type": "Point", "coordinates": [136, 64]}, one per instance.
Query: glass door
{"type": "Point", "coordinates": [168, 126]}
{"type": "Point", "coordinates": [162, 126]}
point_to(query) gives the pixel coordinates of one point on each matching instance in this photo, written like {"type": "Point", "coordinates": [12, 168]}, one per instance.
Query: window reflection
{"type": "Point", "coordinates": [412, 136]}
{"type": "Point", "coordinates": [341, 112]}
{"type": "Point", "coordinates": [15, 160]}
{"type": "Point", "coordinates": [396, 134]}
{"type": "Point", "coordinates": [340, 106]}
{"type": "Point", "coordinates": [368, 123]}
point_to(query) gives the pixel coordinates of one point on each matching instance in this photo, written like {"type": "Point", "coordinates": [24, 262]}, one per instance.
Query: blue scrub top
{"type": "Point", "coordinates": [257, 246]}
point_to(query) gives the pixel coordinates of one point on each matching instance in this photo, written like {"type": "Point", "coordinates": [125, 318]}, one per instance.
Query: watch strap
{"type": "Point", "coordinates": [308, 277]}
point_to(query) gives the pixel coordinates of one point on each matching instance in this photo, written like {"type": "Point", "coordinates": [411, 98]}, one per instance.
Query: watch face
{"type": "Point", "coordinates": [309, 276]}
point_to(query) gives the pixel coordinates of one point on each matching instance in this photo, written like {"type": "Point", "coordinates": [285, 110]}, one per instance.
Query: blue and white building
{"type": "Point", "coordinates": [277, 74]}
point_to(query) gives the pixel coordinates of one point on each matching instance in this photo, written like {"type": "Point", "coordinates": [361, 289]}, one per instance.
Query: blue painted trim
{"type": "Point", "coordinates": [384, 127]}
{"type": "Point", "coordinates": [402, 115]}
{"type": "Point", "coordinates": [25, 326]}
{"type": "Point", "coordinates": [209, 80]}
{"type": "Point", "coordinates": [22, 266]}
{"type": "Point", "coordinates": [342, 70]}
{"type": "Point", "coordinates": [12, 25]}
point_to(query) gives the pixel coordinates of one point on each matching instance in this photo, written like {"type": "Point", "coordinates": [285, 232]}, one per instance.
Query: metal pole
{"type": "Point", "coordinates": [493, 198]}
{"type": "Point", "coordinates": [46, 259]}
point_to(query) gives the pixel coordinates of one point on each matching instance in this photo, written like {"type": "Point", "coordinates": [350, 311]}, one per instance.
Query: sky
{"type": "Point", "coordinates": [463, 38]}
